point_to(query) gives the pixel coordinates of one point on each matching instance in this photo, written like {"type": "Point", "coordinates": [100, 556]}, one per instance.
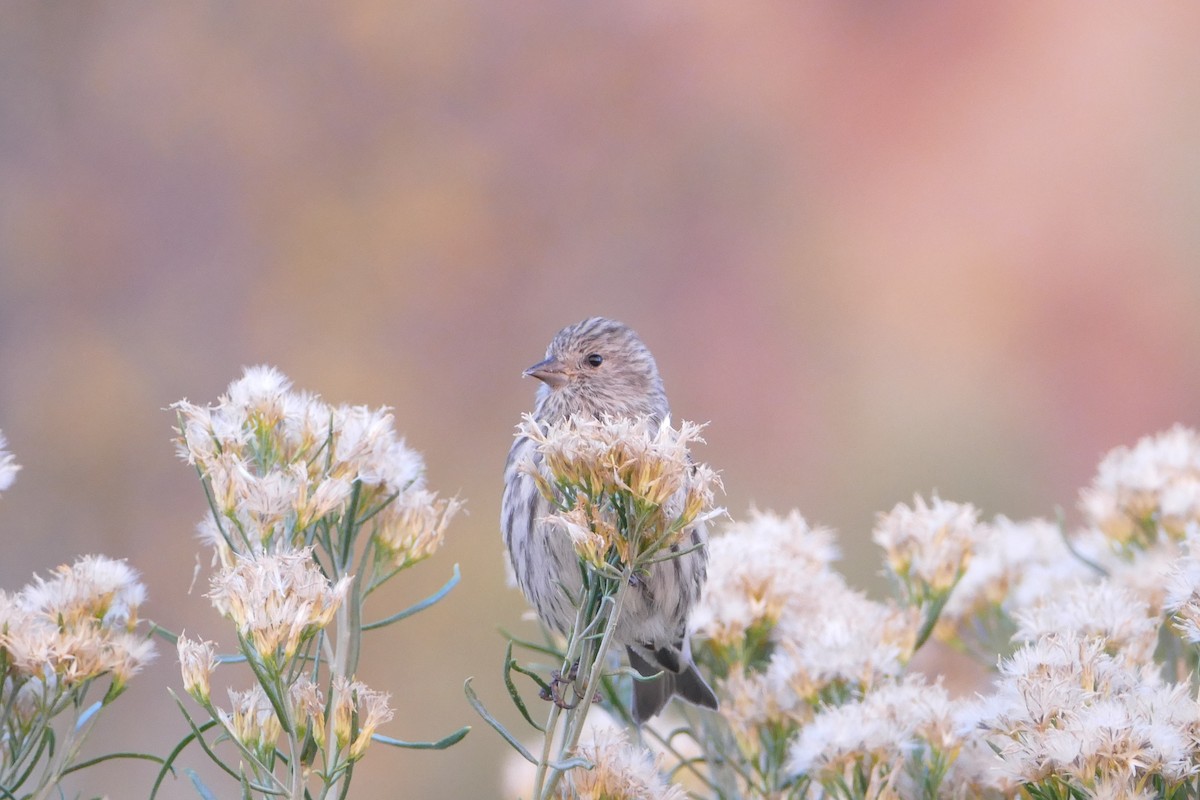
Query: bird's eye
{"type": "Point", "coordinates": [594, 360]}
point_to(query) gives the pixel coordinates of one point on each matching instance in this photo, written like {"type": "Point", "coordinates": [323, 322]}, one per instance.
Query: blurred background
{"type": "Point", "coordinates": [884, 248]}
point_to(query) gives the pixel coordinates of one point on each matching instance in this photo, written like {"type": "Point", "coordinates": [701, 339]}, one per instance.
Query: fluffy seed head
{"type": "Point", "coordinates": [621, 770]}
{"type": "Point", "coordinates": [929, 545]}
{"type": "Point", "coordinates": [1146, 490]}
{"type": "Point", "coordinates": [277, 600]}
{"type": "Point", "coordinates": [197, 660]}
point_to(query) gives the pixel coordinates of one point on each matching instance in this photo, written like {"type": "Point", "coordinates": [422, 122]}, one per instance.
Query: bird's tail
{"type": "Point", "coordinates": [658, 683]}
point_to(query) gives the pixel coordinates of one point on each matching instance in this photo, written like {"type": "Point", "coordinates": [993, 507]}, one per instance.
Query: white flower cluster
{"type": "Point", "coordinates": [1146, 491]}
{"type": "Point", "coordinates": [928, 546]}
{"type": "Point", "coordinates": [899, 723]}
{"type": "Point", "coordinates": [591, 466]}
{"type": "Point", "coordinates": [1097, 700]}
{"type": "Point", "coordinates": [1013, 565]}
{"type": "Point", "coordinates": [64, 631]}
{"type": "Point", "coordinates": [278, 461]}
{"type": "Point", "coordinates": [303, 494]}
{"type": "Point", "coordinates": [786, 629]}
{"type": "Point", "coordinates": [1068, 713]}
{"type": "Point", "coordinates": [759, 567]}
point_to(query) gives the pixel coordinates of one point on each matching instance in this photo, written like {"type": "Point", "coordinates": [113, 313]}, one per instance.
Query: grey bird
{"type": "Point", "coordinates": [600, 367]}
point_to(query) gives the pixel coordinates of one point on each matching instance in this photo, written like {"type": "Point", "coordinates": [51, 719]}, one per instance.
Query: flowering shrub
{"type": "Point", "coordinates": [68, 646]}
{"type": "Point", "coordinates": [1091, 635]}
{"type": "Point", "coordinates": [313, 507]}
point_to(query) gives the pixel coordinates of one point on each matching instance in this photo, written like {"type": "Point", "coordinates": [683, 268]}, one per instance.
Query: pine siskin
{"type": "Point", "coordinates": [600, 368]}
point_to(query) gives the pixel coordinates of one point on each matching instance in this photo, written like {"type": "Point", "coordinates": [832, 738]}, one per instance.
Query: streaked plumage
{"type": "Point", "coordinates": [600, 367]}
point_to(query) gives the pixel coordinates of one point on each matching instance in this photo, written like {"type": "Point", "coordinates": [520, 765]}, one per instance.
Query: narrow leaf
{"type": "Point", "coordinates": [170, 636]}
{"type": "Point", "coordinates": [199, 786]}
{"type": "Point", "coordinates": [198, 734]}
{"type": "Point", "coordinates": [509, 665]}
{"type": "Point", "coordinates": [545, 650]}
{"type": "Point", "coordinates": [109, 757]}
{"type": "Point", "coordinates": [440, 744]}
{"type": "Point", "coordinates": [86, 715]}
{"type": "Point", "coordinates": [421, 606]}
{"type": "Point", "coordinates": [476, 704]}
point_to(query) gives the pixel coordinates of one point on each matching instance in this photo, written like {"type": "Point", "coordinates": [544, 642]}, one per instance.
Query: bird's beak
{"type": "Point", "coordinates": [551, 372]}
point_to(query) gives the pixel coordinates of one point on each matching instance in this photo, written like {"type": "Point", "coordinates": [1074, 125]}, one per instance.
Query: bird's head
{"type": "Point", "coordinates": [599, 366]}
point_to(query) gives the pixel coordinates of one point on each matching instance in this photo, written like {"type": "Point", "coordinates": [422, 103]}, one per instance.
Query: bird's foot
{"type": "Point", "coordinates": [560, 684]}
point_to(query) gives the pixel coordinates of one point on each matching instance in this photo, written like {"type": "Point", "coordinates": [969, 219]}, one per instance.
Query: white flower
{"type": "Point", "coordinates": [1150, 488]}
{"type": "Point", "coordinates": [1066, 708]}
{"type": "Point", "coordinates": [277, 600]}
{"type": "Point", "coordinates": [1145, 572]}
{"type": "Point", "coordinates": [1014, 564]}
{"type": "Point", "coordinates": [8, 465]}
{"type": "Point", "coordinates": [586, 461]}
{"type": "Point", "coordinates": [259, 391]}
{"type": "Point", "coordinates": [1118, 787]}
{"type": "Point", "coordinates": [366, 448]}
{"type": "Point", "coordinates": [891, 724]}
{"type": "Point", "coordinates": [197, 660]}
{"type": "Point", "coordinates": [356, 702]}
{"type": "Point", "coordinates": [76, 626]}
{"type": "Point", "coordinates": [278, 461]}
{"type": "Point", "coordinates": [306, 422]}
{"type": "Point", "coordinates": [1182, 594]}
{"type": "Point", "coordinates": [645, 458]}
{"type": "Point", "coordinates": [831, 640]}
{"type": "Point", "coordinates": [755, 569]}
{"type": "Point", "coordinates": [252, 720]}
{"type": "Point", "coordinates": [1103, 610]}
{"type": "Point", "coordinates": [413, 526]}
{"type": "Point", "coordinates": [928, 546]}
{"type": "Point", "coordinates": [621, 770]}
{"type": "Point", "coordinates": [98, 588]}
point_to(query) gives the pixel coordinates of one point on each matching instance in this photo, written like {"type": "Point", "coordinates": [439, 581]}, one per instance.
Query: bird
{"type": "Point", "coordinates": [601, 367]}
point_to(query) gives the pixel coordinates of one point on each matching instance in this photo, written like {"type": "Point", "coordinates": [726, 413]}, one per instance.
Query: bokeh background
{"type": "Point", "coordinates": [884, 248]}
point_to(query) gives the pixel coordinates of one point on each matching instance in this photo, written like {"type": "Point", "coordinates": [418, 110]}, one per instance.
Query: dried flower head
{"type": "Point", "coordinates": [252, 720]}
{"type": "Point", "coordinates": [76, 626]}
{"type": "Point", "coordinates": [308, 708]}
{"type": "Point", "coordinates": [621, 770]}
{"type": "Point", "coordinates": [1103, 610]}
{"type": "Point", "coordinates": [355, 702]}
{"type": "Point", "coordinates": [1067, 711]}
{"type": "Point", "coordinates": [278, 461]}
{"type": "Point", "coordinates": [412, 527]}
{"type": "Point", "coordinates": [893, 726]}
{"type": "Point", "coordinates": [1013, 564]}
{"type": "Point", "coordinates": [755, 570]}
{"type": "Point", "coordinates": [592, 466]}
{"type": "Point", "coordinates": [98, 588]}
{"type": "Point", "coordinates": [594, 534]}
{"type": "Point", "coordinates": [1148, 490]}
{"type": "Point", "coordinates": [928, 546]}
{"type": "Point", "coordinates": [197, 660]}
{"type": "Point", "coordinates": [277, 600]}
{"type": "Point", "coordinates": [831, 643]}
{"type": "Point", "coordinates": [1182, 598]}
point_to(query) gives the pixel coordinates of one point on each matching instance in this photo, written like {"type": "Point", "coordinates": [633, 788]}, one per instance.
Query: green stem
{"type": "Point", "coordinates": [67, 750]}
{"type": "Point", "coordinates": [575, 725]}
{"type": "Point", "coordinates": [555, 711]}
